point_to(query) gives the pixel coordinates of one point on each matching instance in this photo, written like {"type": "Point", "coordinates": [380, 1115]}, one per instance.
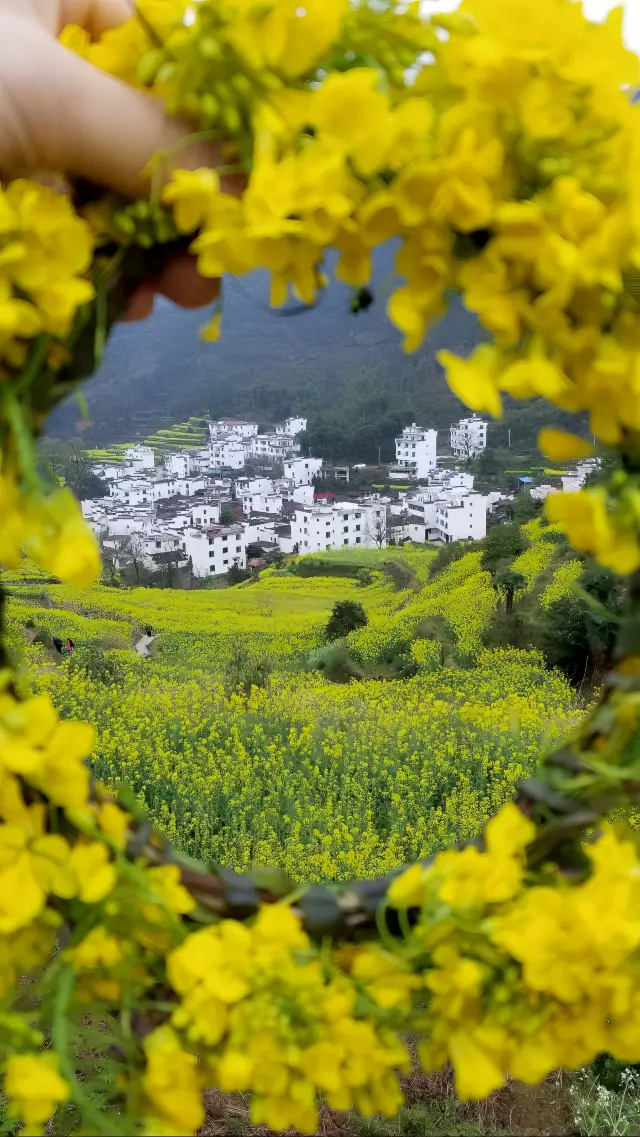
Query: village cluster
{"type": "Point", "coordinates": [207, 508]}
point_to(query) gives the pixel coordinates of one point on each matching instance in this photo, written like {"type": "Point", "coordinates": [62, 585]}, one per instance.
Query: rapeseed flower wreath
{"type": "Point", "coordinates": [500, 147]}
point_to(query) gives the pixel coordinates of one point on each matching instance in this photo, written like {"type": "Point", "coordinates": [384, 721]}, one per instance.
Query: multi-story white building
{"type": "Point", "coordinates": [162, 541]}
{"type": "Point", "coordinates": [317, 528]}
{"type": "Point", "coordinates": [237, 427]}
{"type": "Point", "coordinates": [541, 493]}
{"type": "Point", "coordinates": [575, 479]}
{"type": "Point", "coordinates": [262, 503]}
{"type": "Point", "coordinates": [279, 446]}
{"type": "Point", "coordinates": [451, 479]}
{"type": "Point", "coordinates": [469, 437]}
{"type": "Point", "coordinates": [292, 426]}
{"type": "Point", "coordinates": [447, 515]}
{"type": "Point", "coordinates": [415, 452]}
{"type": "Point", "coordinates": [462, 517]}
{"type": "Point", "coordinates": [213, 551]}
{"type": "Point", "coordinates": [180, 465]}
{"type": "Point", "coordinates": [139, 458]}
{"type": "Point", "coordinates": [230, 452]}
{"type": "Point", "coordinates": [107, 472]}
{"type": "Point", "coordinates": [132, 490]}
{"type": "Point", "coordinates": [303, 495]}
{"type": "Point", "coordinates": [205, 514]}
{"type": "Point", "coordinates": [302, 471]}
{"type": "Point", "coordinates": [245, 486]}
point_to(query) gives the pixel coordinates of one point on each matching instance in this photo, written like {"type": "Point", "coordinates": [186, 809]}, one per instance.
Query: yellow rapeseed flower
{"type": "Point", "coordinates": [34, 1086]}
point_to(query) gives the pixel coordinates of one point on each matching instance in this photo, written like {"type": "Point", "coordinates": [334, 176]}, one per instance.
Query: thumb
{"type": "Point", "coordinates": [58, 112]}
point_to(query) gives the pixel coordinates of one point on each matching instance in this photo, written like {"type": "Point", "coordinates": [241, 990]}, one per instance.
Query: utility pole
{"type": "Point", "coordinates": [509, 437]}
{"type": "Point", "coordinates": [380, 463]}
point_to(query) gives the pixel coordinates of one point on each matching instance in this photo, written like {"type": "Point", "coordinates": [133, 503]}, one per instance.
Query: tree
{"type": "Point", "coordinates": [254, 551]}
{"type": "Point", "coordinates": [347, 615]}
{"type": "Point", "coordinates": [507, 584]}
{"type": "Point", "coordinates": [245, 669]}
{"type": "Point", "coordinates": [66, 461]}
{"type": "Point", "coordinates": [387, 530]}
{"type": "Point", "coordinates": [227, 516]}
{"type": "Point", "coordinates": [502, 544]}
{"type": "Point", "coordinates": [110, 575]}
{"type": "Point", "coordinates": [169, 565]}
{"type": "Point", "coordinates": [523, 508]}
{"type": "Point", "coordinates": [236, 575]}
{"type": "Point", "coordinates": [379, 534]}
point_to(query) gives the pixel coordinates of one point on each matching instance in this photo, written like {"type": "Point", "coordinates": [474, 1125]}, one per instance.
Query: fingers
{"type": "Point", "coordinates": [94, 15]}
{"type": "Point", "coordinates": [179, 282]}
{"type": "Point", "coordinates": [140, 305]}
{"type": "Point", "coordinates": [60, 113]}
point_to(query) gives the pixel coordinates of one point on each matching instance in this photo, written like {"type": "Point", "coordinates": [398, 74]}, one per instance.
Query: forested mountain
{"type": "Point", "coordinates": [347, 372]}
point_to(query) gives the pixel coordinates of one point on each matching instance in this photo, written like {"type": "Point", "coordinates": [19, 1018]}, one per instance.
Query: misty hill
{"type": "Point", "coordinates": [347, 372]}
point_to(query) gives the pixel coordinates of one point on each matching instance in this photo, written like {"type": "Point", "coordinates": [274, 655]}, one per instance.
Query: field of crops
{"type": "Point", "coordinates": [326, 780]}
{"type": "Point", "coordinates": [190, 435]}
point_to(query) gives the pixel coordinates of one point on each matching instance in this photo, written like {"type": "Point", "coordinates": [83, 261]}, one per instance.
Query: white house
{"type": "Point", "coordinates": [302, 471]}
{"type": "Point", "coordinates": [416, 451]}
{"type": "Point", "coordinates": [132, 490]}
{"type": "Point", "coordinates": [280, 446]}
{"type": "Point", "coordinates": [191, 485]}
{"type": "Point", "coordinates": [180, 465]}
{"type": "Point", "coordinates": [469, 437]}
{"type": "Point", "coordinates": [292, 426]}
{"type": "Point", "coordinates": [452, 479]}
{"type": "Point", "coordinates": [540, 493]}
{"type": "Point", "coordinates": [139, 458]}
{"type": "Point", "coordinates": [262, 529]}
{"type": "Point", "coordinates": [317, 528]}
{"type": "Point", "coordinates": [205, 514]}
{"type": "Point", "coordinates": [227, 452]}
{"type": "Point", "coordinates": [302, 495]}
{"type": "Point", "coordinates": [162, 541]}
{"type": "Point", "coordinates": [227, 427]}
{"type": "Point", "coordinates": [253, 485]}
{"type": "Point", "coordinates": [447, 515]}
{"type": "Point", "coordinates": [213, 551]}
{"type": "Point", "coordinates": [262, 503]}
{"type": "Point", "coordinates": [108, 473]}
{"type": "Point", "coordinates": [575, 479]}
{"type": "Point", "coordinates": [462, 517]}
{"type": "Point", "coordinates": [163, 488]}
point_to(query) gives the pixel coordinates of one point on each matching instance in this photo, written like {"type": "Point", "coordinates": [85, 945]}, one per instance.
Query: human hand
{"type": "Point", "coordinates": [57, 112]}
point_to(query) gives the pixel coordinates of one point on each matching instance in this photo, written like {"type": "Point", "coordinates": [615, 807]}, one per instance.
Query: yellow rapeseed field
{"type": "Point", "coordinates": [326, 781]}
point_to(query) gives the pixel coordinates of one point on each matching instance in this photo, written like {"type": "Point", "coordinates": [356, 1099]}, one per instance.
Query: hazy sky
{"type": "Point", "coordinates": [594, 9]}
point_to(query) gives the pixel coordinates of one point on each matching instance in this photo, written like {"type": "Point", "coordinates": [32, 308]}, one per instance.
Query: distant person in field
{"type": "Point", "coordinates": [71, 647]}
{"type": "Point", "coordinates": [58, 645]}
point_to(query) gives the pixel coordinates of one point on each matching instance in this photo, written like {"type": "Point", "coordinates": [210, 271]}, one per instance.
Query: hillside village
{"type": "Point", "coordinates": [247, 496]}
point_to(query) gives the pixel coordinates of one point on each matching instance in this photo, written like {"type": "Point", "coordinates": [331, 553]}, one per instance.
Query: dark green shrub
{"type": "Point", "coordinates": [347, 615]}
{"type": "Point", "coordinates": [501, 545]}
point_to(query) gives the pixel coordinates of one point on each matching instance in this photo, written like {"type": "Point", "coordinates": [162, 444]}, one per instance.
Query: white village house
{"type": "Point", "coordinates": [415, 453]}
{"type": "Point", "coordinates": [469, 437]}
{"type": "Point", "coordinates": [215, 549]}
{"type": "Point", "coordinates": [175, 508]}
{"type": "Point", "coordinates": [317, 528]}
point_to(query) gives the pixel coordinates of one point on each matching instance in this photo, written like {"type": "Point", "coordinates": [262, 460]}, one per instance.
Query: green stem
{"type": "Point", "coordinates": [36, 360]}
{"type": "Point", "coordinates": [168, 152]}
{"type": "Point", "coordinates": [60, 1022]}
{"type": "Point", "coordinates": [101, 320]}
{"type": "Point", "coordinates": [22, 438]}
